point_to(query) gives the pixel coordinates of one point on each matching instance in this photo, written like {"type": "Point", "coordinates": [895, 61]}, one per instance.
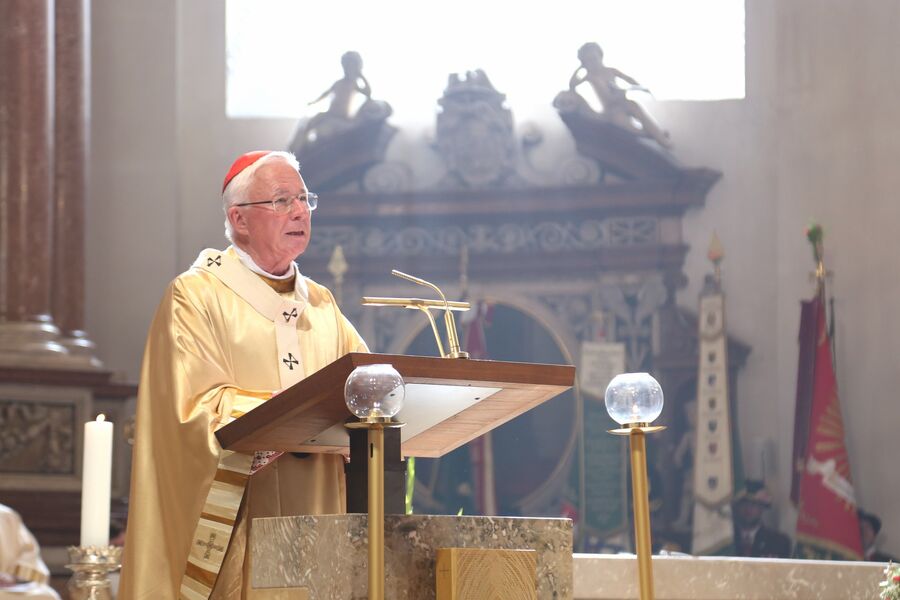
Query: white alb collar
{"type": "Point", "coordinates": [300, 282]}
{"type": "Point", "coordinates": [251, 264]}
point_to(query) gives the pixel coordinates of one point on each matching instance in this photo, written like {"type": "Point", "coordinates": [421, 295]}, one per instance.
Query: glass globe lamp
{"type": "Point", "coordinates": [633, 398]}
{"type": "Point", "coordinates": [374, 392]}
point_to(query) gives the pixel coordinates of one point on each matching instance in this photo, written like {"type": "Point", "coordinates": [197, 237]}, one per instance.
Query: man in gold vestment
{"type": "Point", "coordinates": [230, 332]}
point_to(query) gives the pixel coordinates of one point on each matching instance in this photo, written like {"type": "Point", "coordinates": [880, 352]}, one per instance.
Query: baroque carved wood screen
{"type": "Point", "coordinates": [583, 246]}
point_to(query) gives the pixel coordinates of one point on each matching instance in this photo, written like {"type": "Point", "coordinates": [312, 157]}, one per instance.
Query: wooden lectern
{"type": "Point", "coordinates": [448, 403]}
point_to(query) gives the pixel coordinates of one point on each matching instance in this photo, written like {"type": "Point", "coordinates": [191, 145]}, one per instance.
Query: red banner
{"type": "Point", "coordinates": [806, 369]}
{"type": "Point", "coordinates": [827, 524]}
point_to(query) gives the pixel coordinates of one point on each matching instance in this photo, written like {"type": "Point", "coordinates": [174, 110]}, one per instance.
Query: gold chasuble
{"type": "Point", "coordinates": [222, 341]}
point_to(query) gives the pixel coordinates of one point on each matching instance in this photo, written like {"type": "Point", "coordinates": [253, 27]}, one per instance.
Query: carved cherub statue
{"type": "Point", "coordinates": [341, 115]}
{"type": "Point", "coordinates": [351, 135]}
{"type": "Point", "coordinates": [617, 107]}
{"type": "Point", "coordinates": [344, 90]}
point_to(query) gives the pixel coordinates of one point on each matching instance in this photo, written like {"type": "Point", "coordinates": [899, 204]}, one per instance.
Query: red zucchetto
{"type": "Point", "coordinates": [243, 161]}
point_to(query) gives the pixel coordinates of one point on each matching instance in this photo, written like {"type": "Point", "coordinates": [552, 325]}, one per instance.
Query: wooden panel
{"type": "Point", "coordinates": [482, 574]}
{"type": "Point", "coordinates": [98, 381]}
{"type": "Point", "coordinates": [317, 403]}
{"type": "Point", "coordinates": [55, 517]}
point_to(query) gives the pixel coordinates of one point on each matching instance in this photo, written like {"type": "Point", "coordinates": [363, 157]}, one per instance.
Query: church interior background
{"type": "Point", "coordinates": [562, 231]}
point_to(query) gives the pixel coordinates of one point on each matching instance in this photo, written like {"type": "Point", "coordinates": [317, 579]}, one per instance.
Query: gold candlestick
{"type": "Point", "coordinates": [91, 567]}
{"type": "Point", "coordinates": [376, 512]}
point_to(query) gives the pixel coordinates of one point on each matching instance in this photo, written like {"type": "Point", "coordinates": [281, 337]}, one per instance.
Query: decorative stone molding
{"type": "Point", "coordinates": [40, 439]}
{"type": "Point", "coordinates": [633, 305]}
{"type": "Point", "coordinates": [474, 132]}
{"type": "Point", "coordinates": [37, 437]}
{"type": "Point", "coordinates": [485, 238]}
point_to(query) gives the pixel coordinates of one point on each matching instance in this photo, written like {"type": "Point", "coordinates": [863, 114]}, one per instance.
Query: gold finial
{"type": "Point", "coordinates": [816, 237]}
{"type": "Point", "coordinates": [716, 253]}
{"type": "Point", "coordinates": [337, 266]}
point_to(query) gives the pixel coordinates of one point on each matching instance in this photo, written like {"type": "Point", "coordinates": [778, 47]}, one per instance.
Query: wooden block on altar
{"type": "Point", "coordinates": [326, 556]}
{"type": "Point", "coordinates": [478, 573]}
{"type": "Point", "coordinates": [448, 403]}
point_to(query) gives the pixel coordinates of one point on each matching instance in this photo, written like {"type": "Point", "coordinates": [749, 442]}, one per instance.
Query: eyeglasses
{"type": "Point", "coordinates": [285, 204]}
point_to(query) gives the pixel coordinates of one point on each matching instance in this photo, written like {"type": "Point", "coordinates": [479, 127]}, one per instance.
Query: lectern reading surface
{"type": "Point", "coordinates": [448, 403]}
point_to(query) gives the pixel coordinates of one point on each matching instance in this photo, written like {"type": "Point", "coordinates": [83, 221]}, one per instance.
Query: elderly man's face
{"type": "Point", "coordinates": [272, 239]}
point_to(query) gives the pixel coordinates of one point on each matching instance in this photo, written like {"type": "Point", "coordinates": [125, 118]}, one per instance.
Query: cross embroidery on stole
{"type": "Point", "coordinates": [210, 545]}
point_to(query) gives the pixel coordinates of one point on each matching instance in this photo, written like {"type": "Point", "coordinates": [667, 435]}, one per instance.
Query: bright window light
{"type": "Point", "coordinates": [282, 54]}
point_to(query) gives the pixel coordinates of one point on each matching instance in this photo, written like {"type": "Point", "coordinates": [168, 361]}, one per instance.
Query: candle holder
{"type": "Point", "coordinates": [634, 400]}
{"type": "Point", "coordinates": [374, 394]}
{"type": "Point", "coordinates": [91, 566]}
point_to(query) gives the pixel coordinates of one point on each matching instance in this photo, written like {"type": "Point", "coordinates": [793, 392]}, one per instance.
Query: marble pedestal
{"type": "Point", "coordinates": [326, 555]}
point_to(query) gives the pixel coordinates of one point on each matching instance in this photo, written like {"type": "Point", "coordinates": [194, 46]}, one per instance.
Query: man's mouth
{"type": "Point", "coordinates": [297, 233]}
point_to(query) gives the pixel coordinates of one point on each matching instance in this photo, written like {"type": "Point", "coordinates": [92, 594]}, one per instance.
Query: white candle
{"type": "Point", "coordinates": [96, 480]}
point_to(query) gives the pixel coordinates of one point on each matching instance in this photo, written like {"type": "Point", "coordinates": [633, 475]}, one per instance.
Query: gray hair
{"type": "Point", "coordinates": [237, 189]}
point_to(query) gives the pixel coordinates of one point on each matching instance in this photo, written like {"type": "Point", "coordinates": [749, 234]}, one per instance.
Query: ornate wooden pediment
{"type": "Point", "coordinates": [614, 206]}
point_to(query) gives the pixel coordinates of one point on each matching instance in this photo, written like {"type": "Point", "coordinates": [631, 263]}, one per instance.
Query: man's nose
{"type": "Point", "coordinates": [299, 208]}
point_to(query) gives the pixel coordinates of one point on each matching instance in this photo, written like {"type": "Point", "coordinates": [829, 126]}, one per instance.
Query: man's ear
{"type": "Point", "coordinates": [238, 222]}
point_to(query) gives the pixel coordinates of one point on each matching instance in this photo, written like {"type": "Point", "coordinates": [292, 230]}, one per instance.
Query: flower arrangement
{"type": "Point", "coordinates": [890, 587]}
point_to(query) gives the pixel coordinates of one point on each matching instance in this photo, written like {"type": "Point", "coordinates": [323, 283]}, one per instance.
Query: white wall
{"type": "Point", "coordinates": [815, 138]}
{"type": "Point", "coordinates": [838, 124]}
{"type": "Point", "coordinates": [132, 200]}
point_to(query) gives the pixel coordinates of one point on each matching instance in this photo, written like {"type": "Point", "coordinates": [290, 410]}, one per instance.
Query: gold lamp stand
{"type": "Point", "coordinates": [376, 427]}
{"type": "Point", "coordinates": [634, 400]}
{"type": "Point", "coordinates": [636, 433]}
{"type": "Point", "coordinates": [377, 424]}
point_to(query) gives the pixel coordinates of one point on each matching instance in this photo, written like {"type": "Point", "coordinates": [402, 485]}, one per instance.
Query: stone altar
{"type": "Point", "coordinates": [326, 555]}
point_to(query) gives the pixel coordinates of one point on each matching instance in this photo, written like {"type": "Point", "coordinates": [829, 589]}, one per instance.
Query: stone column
{"type": "Point", "coordinates": [28, 336]}
{"type": "Point", "coordinates": [70, 150]}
